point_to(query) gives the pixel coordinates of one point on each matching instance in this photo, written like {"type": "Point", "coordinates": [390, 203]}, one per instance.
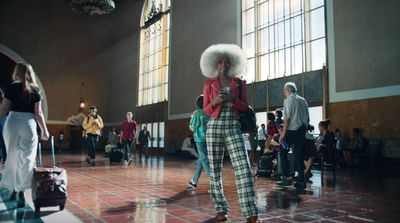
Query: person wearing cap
{"type": "Point", "coordinates": [92, 125]}
{"type": "Point", "coordinates": [224, 99]}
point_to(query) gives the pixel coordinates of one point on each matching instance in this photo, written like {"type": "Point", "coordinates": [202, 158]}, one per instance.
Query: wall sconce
{"type": "Point", "coordinates": [81, 104]}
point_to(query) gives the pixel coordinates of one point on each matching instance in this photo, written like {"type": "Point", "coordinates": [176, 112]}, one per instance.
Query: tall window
{"type": "Point", "coordinates": [283, 37]}
{"type": "Point", "coordinates": [316, 115]}
{"type": "Point", "coordinates": [154, 48]}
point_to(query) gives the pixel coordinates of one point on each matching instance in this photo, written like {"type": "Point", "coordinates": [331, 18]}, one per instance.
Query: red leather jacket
{"type": "Point", "coordinates": [212, 88]}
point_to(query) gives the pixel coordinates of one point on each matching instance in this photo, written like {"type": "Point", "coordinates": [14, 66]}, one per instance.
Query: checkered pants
{"type": "Point", "coordinates": [225, 130]}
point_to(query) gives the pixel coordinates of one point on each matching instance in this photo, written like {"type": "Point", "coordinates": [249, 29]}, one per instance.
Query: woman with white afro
{"type": "Point", "coordinates": [223, 101]}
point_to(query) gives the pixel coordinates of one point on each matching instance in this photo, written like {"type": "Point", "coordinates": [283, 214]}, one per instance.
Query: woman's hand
{"type": "Point", "coordinates": [228, 98]}
{"type": "Point", "coordinates": [96, 122]}
{"type": "Point", "coordinates": [216, 101]}
{"type": "Point", "coordinates": [44, 135]}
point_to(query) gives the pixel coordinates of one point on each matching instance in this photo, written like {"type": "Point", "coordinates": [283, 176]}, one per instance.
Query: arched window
{"type": "Point", "coordinates": [283, 37]}
{"type": "Point", "coordinates": [154, 49]}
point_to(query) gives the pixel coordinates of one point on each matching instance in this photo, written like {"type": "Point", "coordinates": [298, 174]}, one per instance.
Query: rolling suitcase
{"type": "Point", "coordinates": [49, 184]}
{"type": "Point", "coordinates": [291, 163]}
{"type": "Point", "coordinates": [116, 155]}
{"type": "Point", "coordinates": [265, 166]}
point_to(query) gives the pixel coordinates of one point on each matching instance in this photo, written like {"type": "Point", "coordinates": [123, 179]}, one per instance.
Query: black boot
{"type": "Point", "coordinates": [21, 200]}
{"type": "Point", "coordinates": [13, 196]}
{"type": "Point", "coordinates": [88, 161]}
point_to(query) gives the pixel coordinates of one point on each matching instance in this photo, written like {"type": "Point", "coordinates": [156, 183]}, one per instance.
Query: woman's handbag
{"type": "Point", "coordinates": [247, 119]}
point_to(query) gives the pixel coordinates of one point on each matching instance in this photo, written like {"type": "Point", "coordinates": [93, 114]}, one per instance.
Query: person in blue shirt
{"type": "Point", "coordinates": [3, 153]}
{"type": "Point", "coordinates": [198, 125]}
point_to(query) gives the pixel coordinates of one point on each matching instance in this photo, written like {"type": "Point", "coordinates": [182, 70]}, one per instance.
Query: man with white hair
{"type": "Point", "coordinates": [295, 122]}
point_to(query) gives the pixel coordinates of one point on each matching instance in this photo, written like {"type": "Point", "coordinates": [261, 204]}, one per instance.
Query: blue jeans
{"type": "Point", "coordinates": [3, 152]}
{"type": "Point", "coordinates": [126, 144]}
{"type": "Point", "coordinates": [92, 142]}
{"type": "Point", "coordinates": [202, 162]}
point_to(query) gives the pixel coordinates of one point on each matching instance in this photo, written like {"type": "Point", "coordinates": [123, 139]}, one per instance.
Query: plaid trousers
{"type": "Point", "coordinates": [221, 132]}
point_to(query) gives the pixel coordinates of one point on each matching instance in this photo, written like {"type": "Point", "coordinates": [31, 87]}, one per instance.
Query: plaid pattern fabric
{"type": "Point", "coordinates": [225, 130]}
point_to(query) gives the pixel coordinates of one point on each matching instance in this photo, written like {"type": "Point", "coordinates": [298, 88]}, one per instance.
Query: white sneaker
{"type": "Point", "coordinates": [191, 185]}
{"type": "Point", "coordinates": [125, 163]}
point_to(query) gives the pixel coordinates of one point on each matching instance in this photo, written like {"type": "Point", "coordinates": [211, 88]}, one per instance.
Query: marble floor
{"type": "Point", "coordinates": [153, 189]}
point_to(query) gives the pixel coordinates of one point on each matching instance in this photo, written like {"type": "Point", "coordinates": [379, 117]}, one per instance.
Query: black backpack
{"type": "Point", "coordinates": [247, 119]}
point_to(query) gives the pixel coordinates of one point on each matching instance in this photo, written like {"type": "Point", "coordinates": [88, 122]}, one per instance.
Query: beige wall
{"type": "Point", "coordinates": [364, 64]}
{"type": "Point", "coordinates": [67, 49]}
{"type": "Point", "coordinates": [367, 44]}
{"type": "Point", "coordinates": [363, 47]}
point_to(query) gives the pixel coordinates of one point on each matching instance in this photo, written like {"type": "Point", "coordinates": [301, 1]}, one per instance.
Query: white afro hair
{"type": "Point", "coordinates": [214, 53]}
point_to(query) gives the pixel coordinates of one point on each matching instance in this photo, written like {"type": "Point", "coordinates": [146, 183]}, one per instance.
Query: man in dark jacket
{"type": "Point", "coordinates": [144, 137]}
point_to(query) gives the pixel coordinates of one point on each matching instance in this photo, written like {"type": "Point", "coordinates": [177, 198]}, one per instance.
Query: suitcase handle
{"type": "Point", "coordinates": [53, 158]}
{"type": "Point", "coordinates": [40, 154]}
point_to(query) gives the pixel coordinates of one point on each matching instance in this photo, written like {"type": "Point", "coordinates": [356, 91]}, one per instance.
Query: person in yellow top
{"type": "Point", "coordinates": [92, 126]}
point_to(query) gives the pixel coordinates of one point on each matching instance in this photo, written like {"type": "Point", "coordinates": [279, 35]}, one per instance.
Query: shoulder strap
{"type": "Point", "coordinates": [239, 81]}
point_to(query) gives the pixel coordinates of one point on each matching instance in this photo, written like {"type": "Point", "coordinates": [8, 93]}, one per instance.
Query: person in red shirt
{"type": "Point", "coordinates": [128, 135]}
{"type": "Point", "coordinates": [271, 130]}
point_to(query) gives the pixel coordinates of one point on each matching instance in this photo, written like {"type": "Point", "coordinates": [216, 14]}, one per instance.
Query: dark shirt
{"type": "Point", "coordinates": [128, 130]}
{"type": "Point", "coordinates": [278, 121]}
{"type": "Point", "coordinates": [144, 137]}
{"type": "Point", "coordinates": [329, 140]}
{"type": "Point", "coordinates": [359, 144]}
{"type": "Point", "coordinates": [15, 94]}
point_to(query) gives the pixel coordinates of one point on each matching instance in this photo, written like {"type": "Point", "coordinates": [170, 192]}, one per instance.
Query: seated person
{"type": "Point", "coordinates": [310, 152]}
{"type": "Point", "coordinates": [326, 139]}
{"type": "Point", "coordinates": [282, 164]}
{"type": "Point", "coordinates": [357, 145]}
{"type": "Point", "coordinates": [274, 148]}
{"type": "Point", "coordinates": [187, 145]}
{"type": "Point", "coordinates": [274, 144]}
{"type": "Point", "coordinates": [271, 131]}
{"type": "Point", "coordinates": [341, 144]}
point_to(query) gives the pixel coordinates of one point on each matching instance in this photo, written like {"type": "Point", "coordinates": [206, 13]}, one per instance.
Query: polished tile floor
{"type": "Point", "coordinates": [154, 190]}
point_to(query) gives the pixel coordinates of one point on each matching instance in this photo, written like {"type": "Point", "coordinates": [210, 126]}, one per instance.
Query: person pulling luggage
{"type": "Point", "coordinates": [24, 102]}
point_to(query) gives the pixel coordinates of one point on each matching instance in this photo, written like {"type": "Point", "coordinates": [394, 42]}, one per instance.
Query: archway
{"type": "Point", "coordinates": [8, 59]}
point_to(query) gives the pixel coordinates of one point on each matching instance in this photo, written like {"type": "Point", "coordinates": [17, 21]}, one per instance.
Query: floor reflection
{"type": "Point", "coordinates": [10, 212]}
{"type": "Point", "coordinates": [153, 189]}
{"type": "Point", "coordinates": [283, 198]}
{"type": "Point", "coordinates": [151, 210]}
